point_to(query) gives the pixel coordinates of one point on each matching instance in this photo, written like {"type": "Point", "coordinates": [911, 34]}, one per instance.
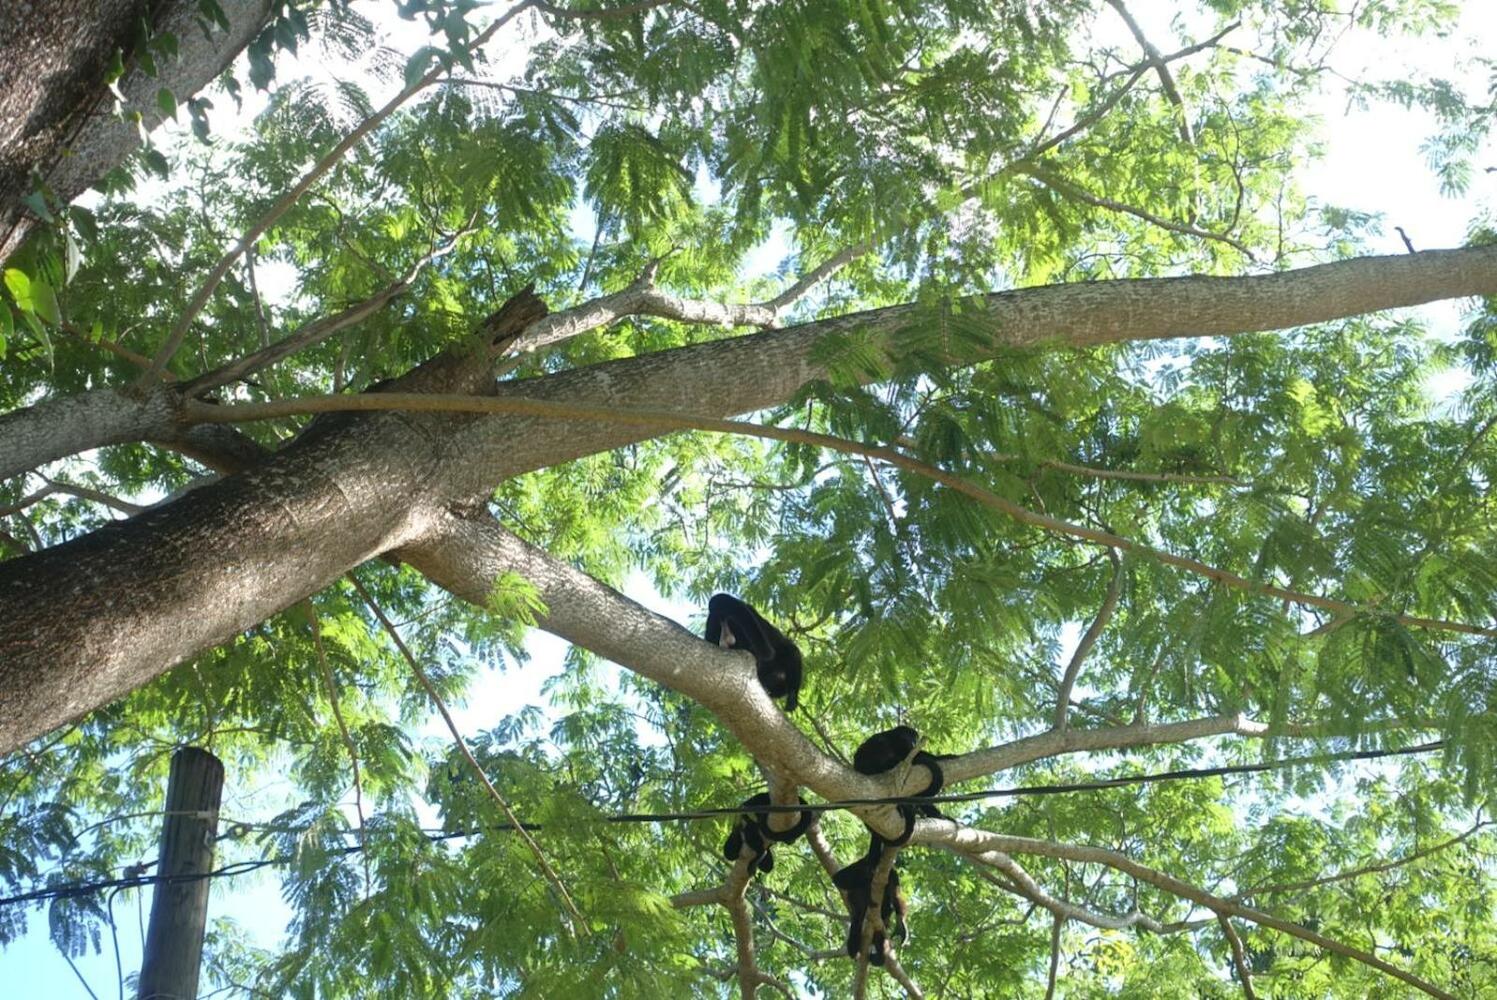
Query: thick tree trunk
{"type": "Point", "coordinates": [56, 119]}
{"type": "Point", "coordinates": [89, 621]}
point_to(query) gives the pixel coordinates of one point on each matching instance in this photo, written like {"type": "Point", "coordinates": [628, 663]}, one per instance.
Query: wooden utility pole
{"type": "Point", "coordinates": [179, 910]}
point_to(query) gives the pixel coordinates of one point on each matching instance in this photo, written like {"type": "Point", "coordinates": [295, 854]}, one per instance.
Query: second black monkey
{"type": "Point", "coordinates": [753, 830]}
{"type": "Point", "coordinates": [885, 751]}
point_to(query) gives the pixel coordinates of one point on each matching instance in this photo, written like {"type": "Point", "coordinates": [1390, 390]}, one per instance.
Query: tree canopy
{"type": "Point", "coordinates": [995, 352]}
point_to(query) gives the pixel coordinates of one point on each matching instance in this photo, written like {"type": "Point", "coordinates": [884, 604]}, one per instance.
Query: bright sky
{"type": "Point", "coordinates": [1373, 163]}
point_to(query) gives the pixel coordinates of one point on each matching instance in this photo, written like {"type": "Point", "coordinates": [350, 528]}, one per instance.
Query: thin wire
{"type": "Point", "coordinates": [244, 867]}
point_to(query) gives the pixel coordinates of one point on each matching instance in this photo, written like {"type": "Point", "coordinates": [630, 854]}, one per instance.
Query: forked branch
{"type": "Point", "coordinates": [970, 841]}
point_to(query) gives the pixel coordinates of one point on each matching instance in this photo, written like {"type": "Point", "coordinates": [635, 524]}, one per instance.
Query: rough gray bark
{"type": "Point", "coordinates": [66, 425]}
{"type": "Point", "coordinates": [56, 117]}
{"type": "Point", "coordinates": [90, 620]}
{"type": "Point", "coordinates": [770, 367]}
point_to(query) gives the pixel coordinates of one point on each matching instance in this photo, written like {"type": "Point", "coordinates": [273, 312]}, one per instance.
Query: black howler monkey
{"type": "Point", "coordinates": [753, 830]}
{"type": "Point", "coordinates": [732, 624]}
{"type": "Point", "coordinates": [855, 882]}
{"type": "Point", "coordinates": [883, 752]}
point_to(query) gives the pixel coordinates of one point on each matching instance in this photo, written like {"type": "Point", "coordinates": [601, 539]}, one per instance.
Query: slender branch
{"type": "Point", "coordinates": [643, 298]}
{"type": "Point", "coordinates": [578, 924]}
{"type": "Point", "coordinates": [1054, 743]}
{"type": "Point", "coordinates": [1239, 957]}
{"type": "Point", "coordinates": [291, 197]}
{"type": "Point", "coordinates": [1112, 99]}
{"type": "Point", "coordinates": [603, 13]}
{"type": "Point", "coordinates": [896, 972]}
{"type": "Point", "coordinates": [1056, 923]}
{"type": "Point", "coordinates": [675, 420]}
{"type": "Point", "coordinates": [972, 841]}
{"type": "Point", "coordinates": [1156, 60]}
{"type": "Point", "coordinates": [1025, 885]}
{"type": "Point", "coordinates": [110, 346]}
{"type": "Point", "coordinates": [1311, 883]}
{"type": "Point", "coordinates": [602, 100]}
{"type": "Point", "coordinates": [743, 936]}
{"type": "Point", "coordinates": [316, 331]}
{"type": "Point", "coordinates": [1088, 640]}
{"type": "Point", "coordinates": [348, 743]}
{"type": "Point", "coordinates": [54, 487]}
{"type": "Point", "coordinates": [254, 287]}
{"type": "Point", "coordinates": [1072, 190]}
{"type": "Point", "coordinates": [1143, 477]}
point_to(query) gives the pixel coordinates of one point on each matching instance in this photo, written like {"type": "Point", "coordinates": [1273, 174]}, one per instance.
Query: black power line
{"type": "Point", "coordinates": [1184, 774]}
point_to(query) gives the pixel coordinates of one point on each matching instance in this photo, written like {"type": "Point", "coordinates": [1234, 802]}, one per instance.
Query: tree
{"type": "Point", "coordinates": [1035, 522]}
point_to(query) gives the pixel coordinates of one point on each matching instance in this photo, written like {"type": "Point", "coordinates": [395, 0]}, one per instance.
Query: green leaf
{"type": "Point", "coordinates": [418, 64]}
{"type": "Point", "coordinates": [85, 222]}
{"type": "Point", "coordinates": [116, 68]}
{"type": "Point", "coordinates": [7, 327]}
{"type": "Point", "coordinates": [165, 43]}
{"type": "Point", "coordinates": [262, 69]}
{"type": "Point", "coordinates": [33, 295]}
{"type": "Point", "coordinates": [155, 162]}
{"type": "Point", "coordinates": [167, 102]}
{"type": "Point", "coordinates": [214, 13]}
{"type": "Point", "coordinates": [19, 286]}
{"type": "Point", "coordinates": [197, 108]}
{"type": "Point", "coordinates": [38, 205]}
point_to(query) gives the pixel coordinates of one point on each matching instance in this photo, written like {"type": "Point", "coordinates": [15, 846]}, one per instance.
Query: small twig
{"type": "Point", "coordinates": [1134, 74]}
{"type": "Point", "coordinates": [577, 923]}
{"type": "Point", "coordinates": [254, 287]}
{"type": "Point", "coordinates": [1312, 883]}
{"type": "Point", "coordinates": [113, 347]}
{"type": "Point", "coordinates": [601, 14]}
{"type": "Point", "coordinates": [1072, 190]}
{"type": "Point", "coordinates": [54, 487]}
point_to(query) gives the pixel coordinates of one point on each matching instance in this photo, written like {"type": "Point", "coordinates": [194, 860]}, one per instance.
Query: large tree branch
{"type": "Point", "coordinates": [770, 368]}
{"type": "Point", "coordinates": [66, 425]}
{"type": "Point", "coordinates": [466, 555]}
{"type": "Point", "coordinates": [237, 551]}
